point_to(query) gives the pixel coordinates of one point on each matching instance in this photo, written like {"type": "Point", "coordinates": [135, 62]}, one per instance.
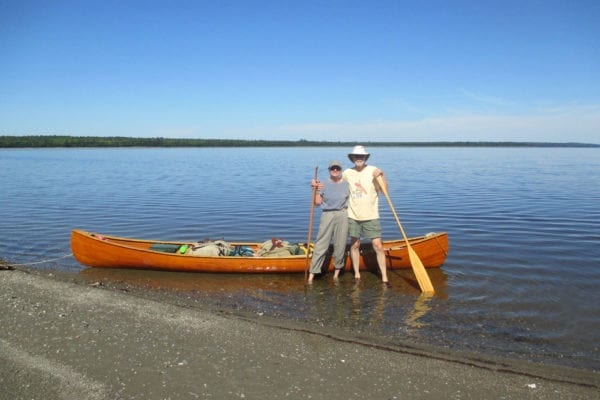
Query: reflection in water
{"type": "Point", "coordinates": [378, 311]}
{"type": "Point", "coordinates": [196, 282]}
{"type": "Point", "coordinates": [365, 307]}
{"type": "Point", "coordinates": [402, 281]}
{"type": "Point", "coordinates": [406, 280]}
{"type": "Point", "coordinates": [355, 304]}
{"type": "Point", "coordinates": [421, 307]}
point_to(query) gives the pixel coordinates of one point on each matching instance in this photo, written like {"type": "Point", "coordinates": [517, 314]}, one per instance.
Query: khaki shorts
{"type": "Point", "coordinates": [370, 229]}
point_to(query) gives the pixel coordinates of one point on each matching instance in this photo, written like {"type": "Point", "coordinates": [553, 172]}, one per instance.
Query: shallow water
{"type": "Point", "coordinates": [520, 280]}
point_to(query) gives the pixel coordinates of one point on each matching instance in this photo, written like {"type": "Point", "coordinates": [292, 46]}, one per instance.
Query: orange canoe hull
{"type": "Point", "coordinates": [98, 250]}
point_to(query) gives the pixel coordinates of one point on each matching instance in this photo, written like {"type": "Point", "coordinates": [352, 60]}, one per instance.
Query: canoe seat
{"type": "Point", "coordinates": [165, 247]}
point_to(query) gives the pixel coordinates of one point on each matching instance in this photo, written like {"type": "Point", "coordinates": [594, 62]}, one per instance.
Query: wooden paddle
{"type": "Point", "coordinates": [415, 261]}
{"type": "Point", "coordinates": [310, 225]}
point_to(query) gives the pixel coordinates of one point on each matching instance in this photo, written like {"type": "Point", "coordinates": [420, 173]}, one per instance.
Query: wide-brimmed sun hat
{"type": "Point", "coordinates": [359, 151]}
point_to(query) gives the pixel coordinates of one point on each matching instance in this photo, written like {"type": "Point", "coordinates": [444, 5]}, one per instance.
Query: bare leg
{"type": "Point", "coordinates": [310, 278]}
{"type": "Point", "coordinates": [378, 247]}
{"type": "Point", "coordinates": [355, 255]}
{"type": "Point", "coordinates": [336, 274]}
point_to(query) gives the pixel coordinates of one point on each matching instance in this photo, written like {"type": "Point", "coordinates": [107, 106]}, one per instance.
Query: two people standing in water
{"type": "Point", "coordinates": [350, 205]}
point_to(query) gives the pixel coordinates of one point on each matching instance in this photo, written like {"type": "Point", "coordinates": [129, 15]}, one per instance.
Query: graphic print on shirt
{"type": "Point", "coordinates": [358, 191]}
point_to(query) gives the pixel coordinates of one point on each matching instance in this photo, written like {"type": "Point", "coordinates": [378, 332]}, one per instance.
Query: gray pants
{"type": "Point", "coordinates": [333, 224]}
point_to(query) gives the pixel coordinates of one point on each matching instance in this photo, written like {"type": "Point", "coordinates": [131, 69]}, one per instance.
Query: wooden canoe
{"type": "Point", "coordinates": [99, 250]}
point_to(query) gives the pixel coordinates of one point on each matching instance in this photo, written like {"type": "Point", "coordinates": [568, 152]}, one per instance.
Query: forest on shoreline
{"type": "Point", "coordinates": [47, 141]}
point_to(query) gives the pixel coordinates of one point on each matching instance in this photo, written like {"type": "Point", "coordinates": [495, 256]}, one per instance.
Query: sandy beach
{"type": "Point", "coordinates": [67, 340]}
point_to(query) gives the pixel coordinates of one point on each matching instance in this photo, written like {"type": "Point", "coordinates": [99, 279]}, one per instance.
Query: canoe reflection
{"type": "Point", "coordinates": [183, 281]}
{"type": "Point", "coordinates": [402, 281]}
{"type": "Point", "coordinates": [367, 307]}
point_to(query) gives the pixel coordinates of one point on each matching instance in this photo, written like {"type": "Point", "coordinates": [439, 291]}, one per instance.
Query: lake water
{"type": "Point", "coordinates": [521, 279]}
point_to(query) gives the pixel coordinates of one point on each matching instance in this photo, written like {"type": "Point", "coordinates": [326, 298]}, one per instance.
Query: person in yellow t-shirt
{"type": "Point", "coordinates": [363, 209]}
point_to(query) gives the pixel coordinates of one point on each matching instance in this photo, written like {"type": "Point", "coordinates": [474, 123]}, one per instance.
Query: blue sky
{"type": "Point", "coordinates": [323, 70]}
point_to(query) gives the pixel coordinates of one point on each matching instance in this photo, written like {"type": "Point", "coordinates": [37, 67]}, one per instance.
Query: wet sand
{"type": "Point", "coordinates": [63, 339]}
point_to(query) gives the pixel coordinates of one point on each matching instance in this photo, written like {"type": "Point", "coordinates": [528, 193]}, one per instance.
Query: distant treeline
{"type": "Point", "coordinates": [118, 141]}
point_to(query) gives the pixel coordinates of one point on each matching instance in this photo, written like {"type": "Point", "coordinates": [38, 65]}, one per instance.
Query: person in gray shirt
{"type": "Point", "coordinates": [333, 199]}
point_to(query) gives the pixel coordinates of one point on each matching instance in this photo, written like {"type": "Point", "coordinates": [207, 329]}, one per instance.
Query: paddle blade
{"type": "Point", "coordinates": [415, 261]}
{"type": "Point", "coordinates": [420, 273]}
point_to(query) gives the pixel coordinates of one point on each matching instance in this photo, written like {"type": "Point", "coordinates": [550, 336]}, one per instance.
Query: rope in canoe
{"type": "Point", "coordinates": [5, 264]}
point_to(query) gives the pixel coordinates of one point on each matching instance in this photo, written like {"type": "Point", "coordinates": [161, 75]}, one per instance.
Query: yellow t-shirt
{"type": "Point", "coordinates": [363, 204]}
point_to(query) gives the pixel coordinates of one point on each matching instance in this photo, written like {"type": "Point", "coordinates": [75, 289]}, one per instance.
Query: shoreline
{"type": "Point", "coordinates": [83, 142]}
{"type": "Point", "coordinates": [146, 343]}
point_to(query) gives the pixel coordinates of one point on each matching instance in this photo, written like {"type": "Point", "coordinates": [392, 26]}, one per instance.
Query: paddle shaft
{"type": "Point", "coordinates": [310, 224]}
{"type": "Point", "coordinates": [415, 261]}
